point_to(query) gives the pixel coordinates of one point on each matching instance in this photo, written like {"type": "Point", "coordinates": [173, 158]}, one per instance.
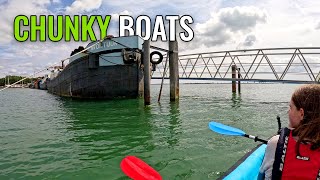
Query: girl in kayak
{"type": "Point", "coordinates": [295, 153]}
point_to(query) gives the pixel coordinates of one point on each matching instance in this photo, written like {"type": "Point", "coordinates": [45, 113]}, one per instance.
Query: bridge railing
{"type": "Point", "coordinates": [301, 64]}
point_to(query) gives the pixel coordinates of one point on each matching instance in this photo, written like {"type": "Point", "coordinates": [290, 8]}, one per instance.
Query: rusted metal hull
{"type": "Point", "coordinates": [104, 82]}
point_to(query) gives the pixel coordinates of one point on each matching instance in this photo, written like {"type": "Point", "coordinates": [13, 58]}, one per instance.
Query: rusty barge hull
{"type": "Point", "coordinates": [90, 78]}
{"type": "Point", "coordinates": [107, 82]}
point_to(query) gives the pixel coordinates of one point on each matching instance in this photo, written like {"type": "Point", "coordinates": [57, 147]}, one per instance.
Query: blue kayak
{"type": "Point", "coordinates": [248, 166]}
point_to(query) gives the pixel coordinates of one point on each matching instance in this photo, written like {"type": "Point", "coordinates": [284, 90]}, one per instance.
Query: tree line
{"type": "Point", "coordinates": [13, 79]}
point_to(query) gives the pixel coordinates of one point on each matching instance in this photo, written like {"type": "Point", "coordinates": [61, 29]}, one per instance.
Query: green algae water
{"type": "Point", "coordinates": [43, 136]}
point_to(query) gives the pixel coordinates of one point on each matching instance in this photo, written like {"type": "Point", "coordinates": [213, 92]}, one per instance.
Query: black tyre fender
{"type": "Point", "coordinates": [156, 53]}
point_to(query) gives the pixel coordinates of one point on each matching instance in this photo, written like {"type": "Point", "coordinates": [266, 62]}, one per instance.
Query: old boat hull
{"type": "Point", "coordinates": [101, 75]}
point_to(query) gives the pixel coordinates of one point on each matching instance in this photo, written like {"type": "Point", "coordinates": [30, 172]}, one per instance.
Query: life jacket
{"type": "Point", "coordinates": [288, 165]}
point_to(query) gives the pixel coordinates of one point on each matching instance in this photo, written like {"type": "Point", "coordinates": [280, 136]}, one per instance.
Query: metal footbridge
{"type": "Point", "coordinates": [277, 65]}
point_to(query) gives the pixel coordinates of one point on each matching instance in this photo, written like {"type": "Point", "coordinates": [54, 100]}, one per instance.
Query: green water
{"type": "Point", "coordinates": [47, 137]}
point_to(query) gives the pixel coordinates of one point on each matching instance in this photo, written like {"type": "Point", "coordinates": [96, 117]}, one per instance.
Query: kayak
{"type": "Point", "coordinates": [248, 166]}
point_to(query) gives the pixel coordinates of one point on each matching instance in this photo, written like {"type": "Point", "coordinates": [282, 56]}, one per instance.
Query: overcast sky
{"type": "Point", "coordinates": [218, 25]}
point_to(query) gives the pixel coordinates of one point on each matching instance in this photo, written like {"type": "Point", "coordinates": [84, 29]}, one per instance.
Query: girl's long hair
{"type": "Point", "coordinates": [307, 97]}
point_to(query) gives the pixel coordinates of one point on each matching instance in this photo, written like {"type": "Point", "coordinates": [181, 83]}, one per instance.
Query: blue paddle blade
{"type": "Point", "coordinates": [225, 130]}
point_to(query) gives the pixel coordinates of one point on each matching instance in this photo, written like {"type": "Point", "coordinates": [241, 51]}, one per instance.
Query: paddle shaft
{"type": "Point", "coordinates": [255, 138]}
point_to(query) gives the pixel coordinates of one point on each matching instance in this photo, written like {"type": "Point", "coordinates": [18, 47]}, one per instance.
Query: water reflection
{"type": "Point", "coordinates": [107, 129]}
{"type": "Point", "coordinates": [174, 124]}
{"type": "Point", "coordinates": [167, 124]}
{"type": "Point", "coordinates": [236, 100]}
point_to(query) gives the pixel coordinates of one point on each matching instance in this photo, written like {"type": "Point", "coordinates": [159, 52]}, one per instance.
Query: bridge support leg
{"type": "Point", "coordinates": [147, 77]}
{"type": "Point", "coordinates": [234, 88]}
{"type": "Point", "coordinates": [239, 82]}
{"type": "Point", "coordinates": [174, 70]}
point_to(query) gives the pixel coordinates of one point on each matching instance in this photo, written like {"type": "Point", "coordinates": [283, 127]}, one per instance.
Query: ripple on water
{"type": "Point", "coordinates": [47, 137]}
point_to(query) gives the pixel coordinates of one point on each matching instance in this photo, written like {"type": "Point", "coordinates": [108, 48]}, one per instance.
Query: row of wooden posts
{"type": "Point", "coordinates": [174, 72]}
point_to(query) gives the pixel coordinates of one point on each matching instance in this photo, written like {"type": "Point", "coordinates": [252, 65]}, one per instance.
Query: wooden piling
{"type": "Point", "coordinates": [239, 82]}
{"type": "Point", "coordinates": [146, 68]}
{"type": "Point", "coordinates": [174, 70]}
{"type": "Point", "coordinates": [234, 77]}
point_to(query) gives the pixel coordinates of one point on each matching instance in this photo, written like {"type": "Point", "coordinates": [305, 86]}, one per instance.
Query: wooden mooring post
{"type": "Point", "coordinates": [234, 88]}
{"type": "Point", "coordinates": [239, 82]}
{"type": "Point", "coordinates": [174, 70]}
{"type": "Point", "coordinates": [234, 75]}
{"type": "Point", "coordinates": [146, 69]}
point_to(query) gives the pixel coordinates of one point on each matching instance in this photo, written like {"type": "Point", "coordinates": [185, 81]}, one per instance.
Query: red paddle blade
{"type": "Point", "coordinates": [136, 169]}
